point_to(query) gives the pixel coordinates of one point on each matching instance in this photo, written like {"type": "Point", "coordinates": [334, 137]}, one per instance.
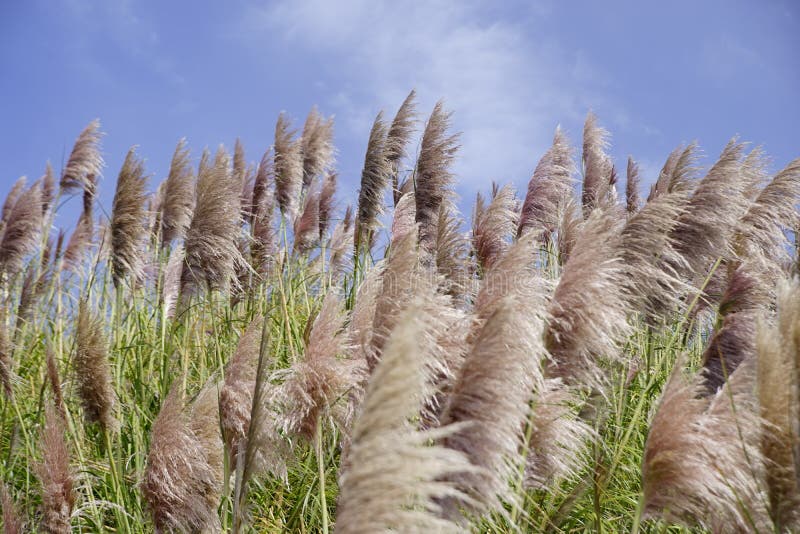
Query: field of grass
{"type": "Point", "coordinates": [234, 352]}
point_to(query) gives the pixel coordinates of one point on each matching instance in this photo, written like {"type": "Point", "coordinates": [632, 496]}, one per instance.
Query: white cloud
{"type": "Point", "coordinates": [508, 92]}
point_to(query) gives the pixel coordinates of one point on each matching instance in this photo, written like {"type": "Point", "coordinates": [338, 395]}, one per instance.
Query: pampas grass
{"type": "Point", "coordinates": [647, 249]}
{"type": "Point", "coordinates": [397, 138]}
{"type": "Point", "coordinates": [11, 199]}
{"type": "Point", "coordinates": [588, 311]}
{"type": "Point", "coordinates": [179, 478]}
{"type": "Point", "coordinates": [374, 180]}
{"type": "Point", "coordinates": [451, 250]}
{"type": "Point", "coordinates": [704, 230]}
{"type": "Point", "coordinates": [598, 171]}
{"type": "Point", "coordinates": [702, 463]}
{"type": "Point", "coordinates": [549, 189]}
{"type": "Point", "coordinates": [211, 240]}
{"type": "Point", "coordinates": [317, 146]}
{"type": "Point", "coordinates": [84, 163]}
{"type": "Point", "coordinates": [178, 196]}
{"type": "Point", "coordinates": [12, 522]}
{"type": "Point", "coordinates": [22, 230]}
{"type": "Point", "coordinates": [499, 372]}
{"type": "Point", "coordinates": [236, 395]}
{"type": "Point", "coordinates": [80, 240]}
{"type": "Point", "coordinates": [493, 225]}
{"type": "Point", "coordinates": [93, 371]}
{"type": "Point", "coordinates": [311, 388]}
{"type": "Point", "coordinates": [396, 479]}
{"type": "Point", "coordinates": [779, 400]}
{"type": "Point", "coordinates": [400, 278]}
{"type": "Point", "coordinates": [632, 187]}
{"type": "Point", "coordinates": [433, 177]}
{"type": "Point", "coordinates": [288, 167]}
{"type": "Point", "coordinates": [55, 475]}
{"type": "Point", "coordinates": [326, 201]}
{"type": "Point", "coordinates": [306, 226]}
{"type": "Point", "coordinates": [491, 397]}
{"type": "Point", "coordinates": [128, 228]}
{"type": "Point", "coordinates": [760, 231]}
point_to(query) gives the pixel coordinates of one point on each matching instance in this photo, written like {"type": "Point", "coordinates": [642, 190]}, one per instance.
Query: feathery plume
{"type": "Point", "coordinates": [702, 465]}
{"type": "Point", "coordinates": [493, 226]}
{"type": "Point", "coordinates": [172, 281]}
{"type": "Point", "coordinates": [588, 311]}
{"type": "Point", "coordinates": [397, 139]}
{"type": "Point", "coordinates": [22, 231]}
{"type": "Point", "coordinates": [288, 167]}
{"type": "Point", "coordinates": [11, 198]}
{"type": "Point", "coordinates": [263, 183]}
{"type": "Point", "coordinates": [178, 477]}
{"type": "Point", "coordinates": [570, 222]}
{"type": "Point", "coordinates": [597, 167]}
{"type": "Point", "coordinates": [155, 205]}
{"type": "Point", "coordinates": [395, 479]}
{"type": "Point", "coordinates": [93, 371]}
{"type": "Point", "coordinates": [32, 286]}
{"type": "Point", "coordinates": [760, 233]}
{"type": "Point", "coordinates": [326, 203]}
{"type": "Point", "coordinates": [550, 187]}
{"type": "Point", "coordinates": [12, 522]}
{"type": "Point", "coordinates": [661, 185]}
{"type": "Point", "coordinates": [363, 316]}
{"type": "Point", "coordinates": [403, 217]}
{"type": "Point", "coordinates": [632, 187]}
{"type": "Point", "coordinates": [84, 163]}
{"type": "Point", "coordinates": [755, 173]}
{"type": "Point", "coordinates": [513, 276]}
{"type": "Point", "coordinates": [647, 249]}
{"type": "Point", "coordinates": [317, 145]}
{"type": "Point", "coordinates": [178, 201]}
{"type": "Point", "coordinates": [204, 422]}
{"type": "Point", "coordinates": [246, 196]}
{"type": "Point", "coordinates": [48, 188]}
{"type": "Point", "coordinates": [703, 231]}
{"type": "Point", "coordinates": [374, 179]}
{"type": "Point", "coordinates": [54, 381]}
{"type": "Point", "coordinates": [311, 386]}
{"type": "Point", "coordinates": [450, 252]}
{"type": "Point", "coordinates": [239, 169]}
{"type": "Point", "coordinates": [236, 395]}
{"type": "Point", "coordinates": [559, 437]}
{"type": "Point", "coordinates": [306, 226]}
{"type": "Point", "coordinates": [341, 244]}
{"type": "Point", "coordinates": [128, 219]}
{"type": "Point", "coordinates": [432, 176]}
{"type": "Point", "coordinates": [80, 240]}
{"type": "Point", "coordinates": [733, 341]}
{"type": "Point", "coordinates": [492, 394]}
{"type": "Point", "coordinates": [780, 402]}
{"type": "Point", "coordinates": [264, 246]}
{"type": "Point", "coordinates": [678, 173]}
{"type": "Point", "coordinates": [55, 475]}
{"type": "Point", "coordinates": [211, 241]}
{"type": "Point", "coordinates": [400, 279]}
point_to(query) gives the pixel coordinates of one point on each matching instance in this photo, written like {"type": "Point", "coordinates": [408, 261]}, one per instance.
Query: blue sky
{"type": "Point", "coordinates": [656, 73]}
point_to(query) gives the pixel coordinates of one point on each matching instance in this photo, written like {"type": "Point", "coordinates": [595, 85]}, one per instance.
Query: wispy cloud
{"type": "Point", "coordinates": [508, 91]}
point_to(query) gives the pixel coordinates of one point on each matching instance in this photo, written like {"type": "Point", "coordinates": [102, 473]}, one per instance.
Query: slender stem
{"type": "Point", "coordinates": [321, 464]}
